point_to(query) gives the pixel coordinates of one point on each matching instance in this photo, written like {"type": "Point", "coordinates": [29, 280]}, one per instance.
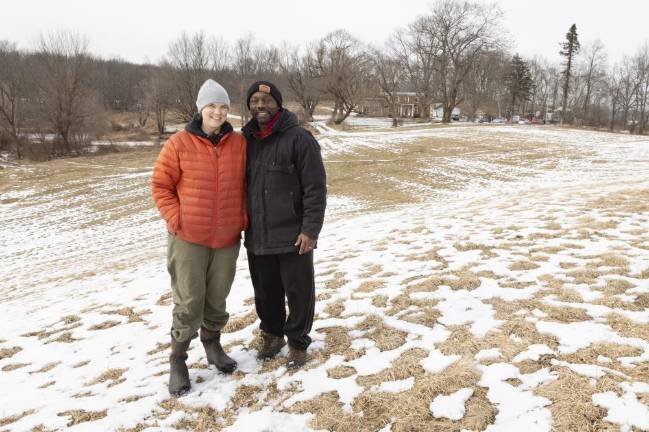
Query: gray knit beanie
{"type": "Point", "coordinates": [211, 92]}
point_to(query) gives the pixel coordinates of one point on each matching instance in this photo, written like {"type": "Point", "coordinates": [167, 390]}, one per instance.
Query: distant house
{"type": "Point", "coordinates": [407, 105]}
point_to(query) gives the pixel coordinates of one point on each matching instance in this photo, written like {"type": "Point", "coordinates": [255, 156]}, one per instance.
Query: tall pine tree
{"type": "Point", "coordinates": [518, 80]}
{"type": "Point", "coordinates": [569, 49]}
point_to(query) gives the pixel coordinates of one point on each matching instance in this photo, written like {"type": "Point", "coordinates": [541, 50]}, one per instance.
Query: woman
{"type": "Point", "coordinates": [199, 187]}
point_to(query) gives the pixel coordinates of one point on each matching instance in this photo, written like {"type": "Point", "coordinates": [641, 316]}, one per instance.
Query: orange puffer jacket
{"type": "Point", "coordinates": [199, 188]}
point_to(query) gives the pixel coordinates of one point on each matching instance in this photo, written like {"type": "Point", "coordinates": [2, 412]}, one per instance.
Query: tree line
{"type": "Point", "coordinates": [55, 98]}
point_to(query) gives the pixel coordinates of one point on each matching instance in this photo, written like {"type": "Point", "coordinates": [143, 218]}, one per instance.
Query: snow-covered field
{"type": "Point", "coordinates": [476, 278]}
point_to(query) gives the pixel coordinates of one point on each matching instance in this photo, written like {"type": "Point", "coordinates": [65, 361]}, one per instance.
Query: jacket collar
{"type": "Point", "coordinates": [285, 121]}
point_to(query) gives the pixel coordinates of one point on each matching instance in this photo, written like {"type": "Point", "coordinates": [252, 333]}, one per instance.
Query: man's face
{"type": "Point", "coordinates": [263, 107]}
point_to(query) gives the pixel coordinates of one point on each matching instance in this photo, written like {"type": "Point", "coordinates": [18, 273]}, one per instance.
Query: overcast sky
{"type": "Point", "coordinates": [140, 31]}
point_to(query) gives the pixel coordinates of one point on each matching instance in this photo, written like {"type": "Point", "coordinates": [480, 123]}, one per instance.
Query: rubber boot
{"type": "Point", "coordinates": [214, 351]}
{"type": "Point", "coordinates": [178, 373]}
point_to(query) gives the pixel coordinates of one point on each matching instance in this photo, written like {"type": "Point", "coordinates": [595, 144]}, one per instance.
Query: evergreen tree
{"type": "Point", "coordinates": [518, 80]}
{"type": "Point", "coordinates": [569, 49]}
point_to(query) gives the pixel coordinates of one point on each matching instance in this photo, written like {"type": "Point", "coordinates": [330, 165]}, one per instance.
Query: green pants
{"type": "Point", "coordinates": [201, 278]}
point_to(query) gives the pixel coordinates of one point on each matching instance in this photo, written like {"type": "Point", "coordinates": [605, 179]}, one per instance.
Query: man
{"type": "Point", "coordinates": [286, 204]}
{"type": "Point", "coordinates": [198, 185]}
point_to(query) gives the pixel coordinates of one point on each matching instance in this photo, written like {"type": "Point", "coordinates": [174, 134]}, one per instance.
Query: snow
{"type": "Point", "coordinates": [73, 252]}
{"type": "Point", "coordinates": [451, 406]}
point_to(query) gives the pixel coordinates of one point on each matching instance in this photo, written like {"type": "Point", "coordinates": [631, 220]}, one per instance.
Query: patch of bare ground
{"type": "Point", "coordinates": [371, 270]}
{"type": "Point", "coordinates": [340, 372]}
{"type": "Point", "coordinates": [337, 340]}
{"type": "Point", "coordinates": [165, 299]}
{"type": "Point", "coordinates": [81, 364]}
{"type": "Point", "coordinates": [240, 322]}
{"type": "Point", "coordinates": [371, 285]}
{"type": "Point", "coordinates": [14, 366]}
{"type": "Point", "coordinates": [613, 351]}
{"type": "Point", "coordinates": [487, 251]}
{"type": "Point", "coordinates": [9, 352]}
{"type": "Point", "coordinates": [113, 375]}
{"type": "Point", "coordinates": [564, 314]}
{"type": "Point", "coordinates": [572, 406]}
{"type": "Point", "coordinates": [128, 312]}
{"type": "Point", "coordinates": [46, 368]}
{"type": "Point", "coordinates": [159, 347]}
{"type": "Point", "coordinates": [14, 418]}
{"type": "Point", "coordinates": [380, 301]}
{"type": "Point", "coordinates": [523, 265]}
{"type": "Point", "coordinates": [104, 325]}
{"type": "Point", "coordinates": [83, 394]}
{"type": "Point", "coordinates": [63, 338]}
{"type": "Point", "coordinates": [427, 256]}
{"type": "Point", "coordinates": [137, 428]}
{"type": "Point", "coordinates": [386, 337]}
{"type": "Point", "coordinates": [43, 334]}
{"type": "Point", "coordinates": [539, 258]}
{"type": "Point", "coordinates": [617, 286]}
{"type": "Point", "coordinates": [335, 308]}
{"type": "Point", "coordinates": [463, 279]}
{"type": "Point", "coordinates": [427, 285]}
{"type": "Point", "coordinates": [404, 301]}
{"type": "Point", "coordinates": [381, 408]}
{"type": "Point", "coordinates": [626, 327]}
{"type": "Point", "coordinates": [69, 319]}
{"type": "Point", "coordinates": [82, 416]}
{"type": "Point", "coordinates": [322, 296]}
{"type": "Point", "coordinates": [47, 384]}
{"type": "Point", "coordinates": [337, 281]}
{"type": "Point", "coordinates": [526, 331]}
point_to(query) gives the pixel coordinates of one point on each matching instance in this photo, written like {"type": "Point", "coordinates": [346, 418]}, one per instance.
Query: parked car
{"type": "Point", "coordinates": [499, 120]}
{"type": "Point", "coordinates": [523, 122]}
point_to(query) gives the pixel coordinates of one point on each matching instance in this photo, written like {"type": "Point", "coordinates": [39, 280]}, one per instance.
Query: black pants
{"type": "Point", "coordinates": [273, 278]}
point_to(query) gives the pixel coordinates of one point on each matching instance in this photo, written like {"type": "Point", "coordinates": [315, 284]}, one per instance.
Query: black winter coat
{"type": "Point", "coordinates": [287, 188]}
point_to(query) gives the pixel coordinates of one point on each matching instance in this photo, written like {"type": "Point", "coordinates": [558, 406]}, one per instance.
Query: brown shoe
{"type": "Point", "coordinates": [178, 373]}
{"type": "Point", "coordinates": [271, 345]}
{"type": "Point", "coordinates": [214, 351]}
{"type": "Point", "coordinates": [296, 358]}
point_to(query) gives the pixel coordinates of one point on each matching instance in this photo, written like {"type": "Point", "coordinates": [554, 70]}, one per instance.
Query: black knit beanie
{"type": "Point", "coordinates": [264, 87]}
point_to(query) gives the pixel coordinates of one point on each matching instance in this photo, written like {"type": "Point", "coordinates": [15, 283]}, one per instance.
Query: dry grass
{"type": "Point", "coordinates": [48, 367]}
{"type": "Point", "coordinates": [113, 375]}
{"type": "Point", "coordinates": [337, 281]}
{"type": "Point", "coordinates": [14, 418]}
{"type": "Point", "coordinates": [129, 313]}
{"type": "Point", "coordinates": [240, 322]}
{"type": "Point", "coordinates": [337, 340]}
{"type": "Point", "coordinates": [371, 285]}
{"type": "Point", "coordinates": [165, 299]}
{"type": "Point", "coordinates": [82, 416]}
{"type": "Point", "coordinates": [14, 366]}
{"type": "Point", "coordinates": [9, 352]}
{"type": "Point", "coordinates": [104, 325]}
{"type": "Point", "coordinates": [626, 327]}
{"type": "Point", "coordinates": [572, 406]}
{"type": "Point", "coordinates": [386, 338]}
{"type": "Point", "coordinates": [564, 314]}
{"type": "Point", "coordinates": [380, 301]}
{"type": "Point", "coordinates": [335, 308]}
{"type": "Point", "coordinates": [523, 265]}
{"type": "Point", "coordinates": [340, 372]}
{"type": "Point", "coordinates": [159, 347]}
{"type": "Point", "coordinates": [81, 364]}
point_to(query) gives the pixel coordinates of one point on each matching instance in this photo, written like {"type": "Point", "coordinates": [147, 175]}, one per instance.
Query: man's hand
{"type": "Point", "coordinates": [305, 243]}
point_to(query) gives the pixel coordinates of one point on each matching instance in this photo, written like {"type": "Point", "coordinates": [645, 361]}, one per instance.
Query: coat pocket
{"type": "Point", "coordinates": [282, 220]}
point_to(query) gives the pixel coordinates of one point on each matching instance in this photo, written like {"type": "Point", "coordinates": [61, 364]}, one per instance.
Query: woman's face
{"type": "Point", "coordinates": [214, 115]}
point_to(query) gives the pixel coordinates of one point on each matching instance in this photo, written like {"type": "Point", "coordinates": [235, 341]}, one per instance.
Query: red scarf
{"type": "Point", "coordinates": [269, 126]}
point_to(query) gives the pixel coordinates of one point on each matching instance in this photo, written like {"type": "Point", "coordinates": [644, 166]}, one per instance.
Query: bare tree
{"type": "Point", "coordinates": [13, 87]}
{"type": "Point", "coordinates": [189, 57]}
{"type": "Point", "coordinates": [594, 63]}
{"type": "Point", "coordinates": [245, 63]}
{"type": "Point", "coordinates": [389, 74]}
{"type": "Point", "coordinates": [464, 30]}
{"type": "Point", "coordinates": [416, 49]}
{"type": "Point", "coordinates": [641, 79]}
{"type": "Point", "coordinates": [70, 102]}
{"type": "Point", "coordinates": [344, 66]}
{"type": "Point", "coordinates": [298, 69]}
